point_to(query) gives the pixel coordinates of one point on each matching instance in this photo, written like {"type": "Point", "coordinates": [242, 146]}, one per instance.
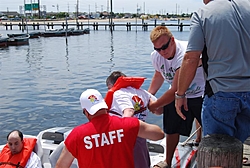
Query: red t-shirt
{"type": "Point", "coordinates": [104, 142]}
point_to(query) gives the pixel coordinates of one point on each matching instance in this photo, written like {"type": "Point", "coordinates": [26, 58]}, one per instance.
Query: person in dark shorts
{"type": "Point", "coordinates": [166, 59]}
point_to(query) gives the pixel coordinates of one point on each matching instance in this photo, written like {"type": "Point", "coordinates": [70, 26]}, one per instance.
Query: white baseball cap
{"type": "Point", "coordinates": [92, 101]}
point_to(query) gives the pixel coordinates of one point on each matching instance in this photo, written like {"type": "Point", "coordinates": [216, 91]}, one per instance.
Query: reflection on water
{"type": "Point", "coordinates": [67, 58]}
{"type": "Point", "coordinates": [111, 51]}
{"type": "Point", "coordinates": [41, 82]}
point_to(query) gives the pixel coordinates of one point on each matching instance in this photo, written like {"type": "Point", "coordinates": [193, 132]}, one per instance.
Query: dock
{"type": "Point", "coordinates": [95, 25]}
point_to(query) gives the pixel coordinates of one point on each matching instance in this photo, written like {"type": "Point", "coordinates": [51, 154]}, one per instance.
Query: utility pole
{"type": "Point", "coordinates": [39, 12]}
{"type": "Point", "coordinates": [68, 8]}
{"type": "Point", "coordinates": [89, 16]}
{"type": "Point", "coordinates": [77, 8]}
{"type": "Point", "coordinates": [136, 16]}
{"type": "Point", "coordinates": [144, 8]}
{"type": "Point", "coordinates": [111, 12]}
{"type": "Point", "coordinates": [108, 6]}
{"type": "Point", "coordinates": [31, 8]}
{"type": "Point", "coordinates": [176, 10]}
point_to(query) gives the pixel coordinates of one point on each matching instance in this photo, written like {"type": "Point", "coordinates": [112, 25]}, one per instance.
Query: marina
{"type": "Point", "coordinates": [41, 82]}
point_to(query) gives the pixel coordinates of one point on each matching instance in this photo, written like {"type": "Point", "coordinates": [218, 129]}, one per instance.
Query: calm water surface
{"type": "Point", "coordinates": [41, 82]}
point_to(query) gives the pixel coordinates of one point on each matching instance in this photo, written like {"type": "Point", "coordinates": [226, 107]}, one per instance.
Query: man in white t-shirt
{"type": "Point", "coordinates": [166, 59]}
{"type": "Point", "coordinates": [132, 102]}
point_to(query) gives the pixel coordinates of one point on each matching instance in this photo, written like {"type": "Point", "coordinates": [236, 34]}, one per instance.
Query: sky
{"type": "Point", "coordinates": [119, 6]}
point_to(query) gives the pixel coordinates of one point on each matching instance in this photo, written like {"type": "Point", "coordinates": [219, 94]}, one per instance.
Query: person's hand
{"type": "Point", "coordinates": [179, 102]}
{"type": "Point", "coordinates": [152, 106]}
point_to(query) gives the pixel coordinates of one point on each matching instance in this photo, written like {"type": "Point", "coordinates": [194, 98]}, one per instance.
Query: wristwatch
{"type": "Point", "coordinates": [179, 96]}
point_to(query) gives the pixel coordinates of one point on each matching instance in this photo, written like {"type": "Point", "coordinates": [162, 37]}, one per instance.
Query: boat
{"type": "Point", "coordinates": [18, 40]}
{"type": "Point", "coordinates": [54, 33]}
{"type": "Point", "coordinates": [3, 41]}
{"type": "Point", "coordinates": [16, 34]}
{"type": "Point", "coordinates": [77, 32]}
{"type": "Point", "coordinates": [86, 31]}
{"type": "Point", "coordinates": [32, 34]}
{"type": "Point", "coordinates": [62, 32]}
{"type": "Point", "coordinates": [50, 143]}
{"type": "Point", "coordinates": [35, 34]}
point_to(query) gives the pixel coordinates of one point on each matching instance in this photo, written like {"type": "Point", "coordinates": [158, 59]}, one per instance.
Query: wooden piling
{"type": "Point", "coordinates": [50, 25]}
{"type": "Point", "coordinates": [6, 26]}
{"type": "Point", "coordinates": [181, 27]}
{"type": "Point", "coordinates": [127, 26]}
{"type": "Point", "coordinates": [81, 26]}
{"type": "Point", "coordinates": [145, 26]}
{"type": "Point", "coordinates": [34, 26]}
{"type": "Point", "coordinates": [219, 150]}
{"type": "Point", "coordinates": [37, 26]}
{"type": "Point", "coordinates": [63, 25]}
{"type": "Point", "coordinates": [96, 25]}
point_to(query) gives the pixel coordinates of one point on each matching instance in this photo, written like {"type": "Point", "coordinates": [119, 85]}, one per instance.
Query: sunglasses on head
{"type": "Point", "coordinates": [164, 46]}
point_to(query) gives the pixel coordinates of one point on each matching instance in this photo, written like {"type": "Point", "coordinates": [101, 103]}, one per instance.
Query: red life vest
{"type": "Point", "coordinates": [123, 82]}
{"type": "Point", "coordinates": [7, 160]}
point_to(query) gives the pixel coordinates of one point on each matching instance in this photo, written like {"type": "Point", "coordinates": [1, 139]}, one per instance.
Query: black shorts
{"type": "Point", "coordinates": [173, 123]}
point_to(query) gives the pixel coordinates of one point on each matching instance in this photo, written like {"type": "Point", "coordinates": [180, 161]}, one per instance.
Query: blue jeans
{"type": "Point", "coordinates": [227, 113]}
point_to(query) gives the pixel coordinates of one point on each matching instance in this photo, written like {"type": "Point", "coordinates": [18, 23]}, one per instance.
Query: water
{"type": "Point", "coordinates": [41, 82]}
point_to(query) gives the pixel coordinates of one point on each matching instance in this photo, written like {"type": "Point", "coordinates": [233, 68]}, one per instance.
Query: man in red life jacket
{"type": "Point", "coordinates": [104, 141]}
{"type": "Point", "coordinates": [18, 152]}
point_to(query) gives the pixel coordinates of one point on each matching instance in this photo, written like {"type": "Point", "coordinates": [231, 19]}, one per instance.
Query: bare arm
{"type": "Point", "coordinates": [150, 131]}
{"type": "Point", "coordinates": [168, 96]}
{"type": "Point", "coordinates": [128, 112]}
{"type": "Point", "coordinates": [156, 83]}
{"type": "Point", "coordinates": [157, 111]}
{"type": "Point", "coordinates": [187, 73]}
{"type": "Point", "coordinates": [65, 160]}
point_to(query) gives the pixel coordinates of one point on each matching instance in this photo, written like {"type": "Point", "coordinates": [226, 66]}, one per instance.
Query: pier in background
{"type": "Point", "coordinates": [95, 25]}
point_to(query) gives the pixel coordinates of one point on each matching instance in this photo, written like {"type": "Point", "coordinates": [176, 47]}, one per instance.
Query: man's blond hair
{"type": "Point", "coordinates": [158, 32]}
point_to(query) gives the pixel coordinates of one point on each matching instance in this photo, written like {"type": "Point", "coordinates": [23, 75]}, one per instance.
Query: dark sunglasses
{"type": "Point", "coordinates": [164, 46]}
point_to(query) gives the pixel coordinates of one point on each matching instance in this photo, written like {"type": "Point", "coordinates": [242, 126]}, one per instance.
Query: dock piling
{"type": "Point", "coordinates": [218, 150]}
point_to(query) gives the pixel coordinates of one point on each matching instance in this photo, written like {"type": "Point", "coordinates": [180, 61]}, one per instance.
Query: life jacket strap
{"type": "Point", "coordinates": [12, 164]}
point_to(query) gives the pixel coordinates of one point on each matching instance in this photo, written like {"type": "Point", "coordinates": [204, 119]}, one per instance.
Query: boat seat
{"type": "Point", "coordinates": [38, 149]}
{"type": "Point", "coordinates": [153, 147]}
{"type": "Point", "coordinates": [55, 155]}
{"type": "Point", "coordinates": [57, 137]}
